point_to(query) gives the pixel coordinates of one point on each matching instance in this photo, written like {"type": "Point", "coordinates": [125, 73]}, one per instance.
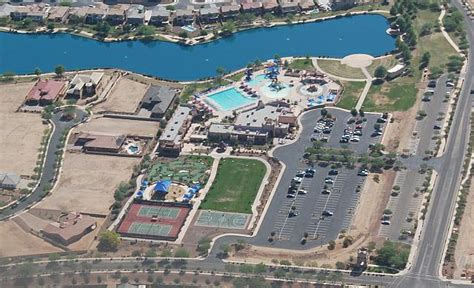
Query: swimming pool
{"type": "Point", "coordinates": [229, 99]}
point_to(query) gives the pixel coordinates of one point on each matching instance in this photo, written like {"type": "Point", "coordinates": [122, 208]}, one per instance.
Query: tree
{"type": "Point", "coordinates": [354, 112]}
{"type": "Point", "coordinates": [50, 26]}
{"type": "Point", "coordinates": [380, 72]}
{"type": "Point", "coordinates": [146, 30]}
{"type": "Point", "coordinates": [109, 241]}
{"type": "Point", "coordinates": [228, 27]}
{"type": "Point", "coordinates": [392, 255]}
{"type": "Point", "coordinates": [425, 60]}
{"type": "Point", "coordinates": [37, 72]}
{"type": "Point", "coordinates": [268, 17]}
{"type": "Point", "coordinates": [340, 265]}
{"type": "Point", "coordinates": [183, 34]}
{"type": "Point", "coordinates": [426, 29]}
{"type": "Point", "coordinates": [394, 10]}
{"type": "Point", "coordinates": [59, 70]}
{"type": "Point", "coordinates": [220, 72]}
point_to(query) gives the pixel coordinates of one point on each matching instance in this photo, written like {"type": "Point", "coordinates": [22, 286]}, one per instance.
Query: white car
{"type": "Point", "coordinates": [355, 139]}
{"type": "Point", "coordinates": [290, 196]}
{"type": "Point", "coordinates": [297, 180]}
{"type": "Point", "coordinates": [385, 222]}
{"type": "Point", "coordinates": [304, 192]}
{"type": "Point", "coordinates": [329, 181]}
{"type": "Point", "coordinates": [363, 173]}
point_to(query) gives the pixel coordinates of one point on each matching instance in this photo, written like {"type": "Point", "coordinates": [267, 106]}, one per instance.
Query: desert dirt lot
{"type": "Point", "coordinates": [120, 126]}
{"type": "Point", "coordinates": [87, 183]}
{"type": "Point", "coordinates": [20, 242]}
{"type": "Point", "coordinates": [21, 138]}
{"type": "Point", "coordinates": [464, 253]}
{"type": "Point", "coordinates": [125, 97]}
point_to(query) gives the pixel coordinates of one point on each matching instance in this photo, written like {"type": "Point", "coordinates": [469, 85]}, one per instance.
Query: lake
{"type": "Point", "coordinates": [22, 53]}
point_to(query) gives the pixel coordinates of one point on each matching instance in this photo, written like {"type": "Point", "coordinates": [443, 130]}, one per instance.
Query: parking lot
{"type": "Point", "coordinates": [316, 216]}
{"type": "Point", "coordinates": [406, 205]}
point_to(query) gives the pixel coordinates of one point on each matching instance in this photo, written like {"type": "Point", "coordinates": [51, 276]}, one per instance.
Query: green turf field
{"type": "Point", "coordinates": [235, 186]}
{"type": "Point", "coordinates": [185, 169]}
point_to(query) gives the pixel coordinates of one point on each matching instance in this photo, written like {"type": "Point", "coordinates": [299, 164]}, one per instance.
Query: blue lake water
{"type": "Point", "coordinates": [22, 53]}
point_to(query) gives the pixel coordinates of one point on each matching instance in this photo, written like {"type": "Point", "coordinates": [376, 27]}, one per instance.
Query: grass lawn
{"type": "Point", "coordinates": [235, 186]}
{"type": "Point", "coordinates": [236, 77]}
{"type": "Point", "coordinates": [388, 62]}
{"type": "Point", "coordinates": [186, 169]}
{"type": "Point", "coordinates": [396, 95]}
{"type": "Point", "coordinates": [351, 94]}
{"type": "Point", "coordinates": [301, 64]}
{"type": "Point", "coordinates": [190, 89]}
{"type": "Point", "coordinates": [336, 68]}
{"type": "Point", "coordinates": [400, 94]}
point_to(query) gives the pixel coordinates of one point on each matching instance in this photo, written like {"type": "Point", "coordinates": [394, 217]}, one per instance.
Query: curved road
{"type": "Point", "coordinates": [49, 170]}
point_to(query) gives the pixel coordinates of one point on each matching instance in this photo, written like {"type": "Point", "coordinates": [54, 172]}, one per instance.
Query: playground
{"type": "Point", "coordinates": [186, 169]}
{"type": "Point", "coordinates": [226, 220]}
{"type": "Point", "coordinates": [154, 221]}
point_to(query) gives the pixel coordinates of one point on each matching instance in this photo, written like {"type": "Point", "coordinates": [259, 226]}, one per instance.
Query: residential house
{"type": "Point", "coordinates": [135, 15]}
{"type": "Point", "coordinates": [184, 17]}
{"type": "Point", "coordinates": [95, 15]}
{"type": "Point", "coordinates": [5, 10]}
{"type": "Point", "coordinates": [251, 7]}
{"type": "Point", "coordinates": [342, 4]}
{"type": "Point", "coordinates": [9, 181]}
{"type": "Point", "coordinates": [58, 14]}
{"type": "Point", "coordinates": [95, 142]}
{"type": "Point", "coordinates": [70, 228]}
{"type": "Point", "coordinates": [307, 5]}
{"type": "Point", "coordinates": [289, 8]}
{"type": "Point", "coordinates": [158, 100]}
{"type": "Point", "coordinates": [115, 15]}
{"type": "Point", "coordinates": [229, 12]}
{"type": "Point", "coordinates": [45, 92]}
{"type": "Point", "coordinates": [34, 12]}
{"type": "Point", "coordinates": [270, 6]}
{"type": "Point", "coordinates": [83, 85]}
{"type": "Point", "coordinates": [78, 12]}
{"type": "Point", "coordinates": [171, 141]}
{"type": "Point", "coordinates": [159, 16]}
{"type": "Point", "coordinates": [209, 15]}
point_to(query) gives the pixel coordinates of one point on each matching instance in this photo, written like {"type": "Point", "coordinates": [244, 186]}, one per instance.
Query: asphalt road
{"type": "Point", "coordinates": [49, 170]}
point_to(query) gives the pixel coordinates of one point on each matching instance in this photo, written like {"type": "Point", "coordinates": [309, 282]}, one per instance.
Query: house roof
{"type": "Point", "coordinates": [6, 9]}
{"type": "Point", "coordinates": [103, 141]}
{"type": "Point", "coordinates": [209, 11]}
{"type": "Point", "coordinates": [162, 96]}
{"type": "Point", "coordinates": [9, 179]}
{"type": "Point", "coordinates": [180, 13]}
{"type": "Point", "coordinates": [251, 5]}
{"type": "Point", "coordinates": [78, 82]}
{"type": "Point", "coordinates": [135, 11]}
{"type": "Point", "coordinates": [230, 8]}
{"type": "Point", "coordinates": [160, 12]}
{"type": "Point", "coordinates": [46, 89]}
{"type": "Point", "coordinates": [270, 4]}
{"type": "Point", "coordinates": [72, 225]}
{"type": "Point", "coordinates": [57, 12]}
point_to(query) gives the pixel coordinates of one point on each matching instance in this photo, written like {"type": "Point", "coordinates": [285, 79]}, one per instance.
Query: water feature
{"type": "Point", "coordinates": [22, 53]}
{"type": "Point", "coordinates": [228, 99]}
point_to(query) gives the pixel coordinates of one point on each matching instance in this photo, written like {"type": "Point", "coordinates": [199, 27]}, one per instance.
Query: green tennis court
{"type": "Point", "coordinates": [160, 212]}
{"type": "Point", "coordinates": [149, 229]}
{"type": "Point", "coordinates": [219, 219]}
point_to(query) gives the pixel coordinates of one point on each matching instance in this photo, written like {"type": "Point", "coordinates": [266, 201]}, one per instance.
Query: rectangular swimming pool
{"type": "Point", "coordinates": [229, 99]}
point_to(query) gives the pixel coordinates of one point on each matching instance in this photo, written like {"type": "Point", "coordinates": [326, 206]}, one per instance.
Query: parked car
{"type": "Point", "coordinates": [297, 180]}
{"type": "Point", "coordinates": [327, 213]}
{"type": "Point", "coordinates": [355, 139]}
{"type": "Point", "coordinates": [437, 127]}
{"type": "Point", "coordinates": [385, 222]}
{"type": "Point", "coordinates": [449, 83]}
{"type": "Point", "coordinates": [290, 196]}
{"type": "Point", "coordinates": [302, 191]}
{"type": "Point", "coordinates": [326, 191]}
{"type": "Point", "coordinates": [363, 172]}
{"type": "Point", "coordinates": [329, 180]}
{"type": "Point", "coordinates": [333, 172]}
{"type": "Point", "coordinates": [358, 133]}
{"type": "Point", "coordinates": [381, 120]}
{"type": "Point", "coordinates": [432, 83]}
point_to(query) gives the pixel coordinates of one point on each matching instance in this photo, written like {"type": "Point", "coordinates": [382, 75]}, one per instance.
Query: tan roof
{"type": "Point", "coordinates": [74, 224]}
{"type": "Point", "coordinates": [57, 12]}
{"type": "Point", "coordinates": [101, 140]}
{"type": "Point", "coordinates": [270, 4]}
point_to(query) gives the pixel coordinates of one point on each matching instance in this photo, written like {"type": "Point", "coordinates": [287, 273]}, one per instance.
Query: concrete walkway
{"type": "Point", "coordinates": [364, 93]}
{"type": "Point", "coordinates": [443, 30]}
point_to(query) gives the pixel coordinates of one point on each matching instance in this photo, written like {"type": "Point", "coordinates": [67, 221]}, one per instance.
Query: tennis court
{"type": "Point", "coordinates": [209, 218]}
{"type": "Point", "coordinates": [159, 211]}
{"type": "Point", "coordinates": [150, 229]}
{"type": "Point", "coordinates": [153, 221]}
